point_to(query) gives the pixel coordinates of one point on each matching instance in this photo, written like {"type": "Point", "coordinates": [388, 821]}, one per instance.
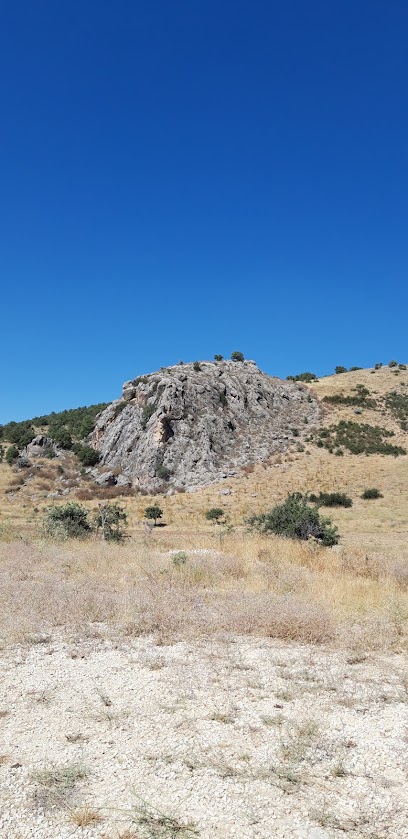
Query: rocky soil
{"type": "Point", "coordinates": [190, 425]}
{"type": "Point", "coordinates": [232, 738]}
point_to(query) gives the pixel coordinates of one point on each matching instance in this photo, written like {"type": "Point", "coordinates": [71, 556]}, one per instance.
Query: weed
{"type": "Point", "coordinates": [157, 825]}
{"type": "Point", "coordinates": [85, 817]}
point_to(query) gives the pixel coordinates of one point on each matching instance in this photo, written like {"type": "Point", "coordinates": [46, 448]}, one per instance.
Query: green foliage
{"type": "Point", "coordinates": [109, 521]}
{"type": "Point", "coordinates": [163, 472]}
{"type": "Point", "coordinates": [340, 369]}
{"type": "Point", "coordinates": [237, 356]}
{"type": "Point", "coordinates": [11, 455]}
{"type": "Point", "coordinates": [331, 499]}
{"type": "Point", "coordinates": [119, 407]}
{"type": "Point", "coordinates": [77, 422]}
{"type": "Point", "coordinates": [18, 433]}
{"type": "Point", "coordinates": [141, 380]}
{"type": "Point", "coordinates": [62, 438]}
{"type": "Point", "coordinates": [352, 369]}
{"type": "Point", "coordinates": [372, 492]}
{"type": "Point", "coordinates": [393, 364]}
{"type": "Point", "coordinates": [398, 405]}
{"type": "Point", "coordinates": [378, 365]}
{"type": "Point", "coordinates": [86, 454]}
{"type": "Point", "coordinates": [296, 519]}
{"type": "Point", "coordinates": [223, 398]}
{"type": "Point", "coordinates": [358, 438]}
{"type": "Point", "coordinates": [361, 398]}
{"type": "Point", "coordinates": [215, 514]}
{"type": "Point", "coordinates": [196, 366]}
{"type": "Point", "coordinates": [147, 412]}
{"type": "Point", "coordinates": [179, 558]}
{"type": "Point", "coordinates": [302, 377]}
{"type": "Point", "coordinates": [218, 358]}
{"type": "Point", "coordinates": [153, 512]}
{"type": "Point", "coordinates": [1, 453]}
{"type": "Point", "coordinates": [69, 521]}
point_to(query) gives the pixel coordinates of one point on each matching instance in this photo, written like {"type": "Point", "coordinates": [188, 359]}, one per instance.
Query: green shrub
{"type": "Point", "coordinates": [153, 513]}
{"type": "Point", "coordinates": [378, 365]}
{"type": "Point", "coordinates": [11, 455]}
{"type": "Point", "coordinates": [331, 499]}
{"type": "Point", "coordinates": [63, 438]}
{"type": "Point", "coordinates": [358, 438]}
{"type": "Point", "coordinates": [163, 472]}
{"type": "Point", "coordinates": [223, 398]}
{"type": "Point", "coordinates": [361, 398]}
{"type": "Point", "coordinates": [69, 521]}
{"type": "Point", "coordinates": [373, 492]}
{"type": "Point", "coordinates": [393, 364]}
{"type": "Point", "coordinates": [179, 558]}
{"type": "Point", "coordinates": [147, 412]}
{"type": "Point", "coordinates": [109, 521]}
{"type": "Point", "coordinates": [86, 455]}
{"type": "Point", "coordinates": [197, 366]}
{"type": "Point", "coordinates": [398, 405]}
{"type": "Point", "coordinates": [237, 356]}
{"type": "Point", "coordinates": [352, 369]}
{"type": "Point", "coordinates": [340, 369]}
{"type": "Point", "coordinates": [218, 358]}
{"type": "Point", "coordinates": [302, 377]}
{"type": "Point", "coordinates": [215, 514]}
{"type": "Point", "coordinates": [119, 407]}
{"type": "Point", "coordinates": [296, 519]}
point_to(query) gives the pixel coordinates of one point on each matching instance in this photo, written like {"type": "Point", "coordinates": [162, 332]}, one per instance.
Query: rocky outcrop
{"type": "Point", "coordinates": [190, 425]}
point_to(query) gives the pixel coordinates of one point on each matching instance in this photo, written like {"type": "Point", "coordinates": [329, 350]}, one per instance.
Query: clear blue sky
{"type": "Point", "coordinates": [186, 178]}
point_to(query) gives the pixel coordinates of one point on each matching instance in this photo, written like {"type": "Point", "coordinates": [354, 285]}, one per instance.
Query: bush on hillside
{"type": "Point", "coordinates": [340, 369]}
{"type": "Point", "coordinates": [302, 377]}
{"type": "Point", "coordinates": [215, 514]}
{"type": "Point", "coordinates": [110, 521]}
{"type": "Point", "coordinates": [296, 519]}
{"type": "Point", "coordinates": [69, 521]}
{"type": "Point", "coordinates": [218, 357]}
{"type": "Point", "coordinates": [153, 513]}
{"type": "Point", "coordinates": [86, 454]}
{"type": "Point", "coordinates": [331, 499]}
{"type": "Point", "coordinates": [358, 438]}
{"type": "Point", "coordinates": [237, 356]}
{"type": "Point", "coordinates": [370, 493]}
{"type": "Point", "coordinates": [11, 454]}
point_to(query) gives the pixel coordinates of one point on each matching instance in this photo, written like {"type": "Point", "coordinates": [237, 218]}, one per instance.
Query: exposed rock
{"type": "Point", "coordinates": [188, 428]}
{"type": "Point", "coordinates": [105, 479]}
{"type": "Point", "coordinates": [40, 446]}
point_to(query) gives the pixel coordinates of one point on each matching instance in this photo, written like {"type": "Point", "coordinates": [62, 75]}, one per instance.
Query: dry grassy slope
{"type": "Point", "coordinates": [378, 525]}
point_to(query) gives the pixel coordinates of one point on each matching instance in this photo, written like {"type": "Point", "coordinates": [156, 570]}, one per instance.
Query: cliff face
{"type": "Point", "coordinates": [187, 427]}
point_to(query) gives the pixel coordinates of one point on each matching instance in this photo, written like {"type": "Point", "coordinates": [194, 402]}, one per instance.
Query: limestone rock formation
{"type": "Point", "coordinates": [190, 425]}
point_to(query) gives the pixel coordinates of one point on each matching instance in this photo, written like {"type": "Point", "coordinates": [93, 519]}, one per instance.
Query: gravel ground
{"type": "Point", "coordinates": [237, 738]}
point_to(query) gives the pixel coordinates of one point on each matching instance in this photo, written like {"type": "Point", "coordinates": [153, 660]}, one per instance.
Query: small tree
{"type": "Point", "coordinates": [340, 369]}
{"type": "Point", "coordinates": [393, 364]}
{"type": "Point", "coordinates": [196, 366]}
{"type": "Point", "coordinates": [67, 521]}
{"type": "Point", "coordinates": [153, 512]}
{"type": "Point", "coordinates": [215, 514]}
{"type": "Point", "coordinates": [218, 358]}
{"type": "Point", "coordinates": [108, 521]}
{"type": "Point", "coordinates": [237, 356]}
{"type": "Point", "coordinates": [11, 455]}
{"type": "Point", "coordinates": [86, 454]}
{"type": "Point", "coordinates": [297, 520]}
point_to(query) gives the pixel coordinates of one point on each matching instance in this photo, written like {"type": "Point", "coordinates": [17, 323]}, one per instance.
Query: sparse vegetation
{"type": "Point", "coordinates": [371, 493]}
{"type": "Point", "coordinates": [147, 412]}
{"type": "Point", "coordinates": [357, 438]}
{"type": "Point", "coordinates": [218, 358]}
{"type": "Point", "coordinates": [331, 499]}
{"type": "Point", "coordinates": [339, 369]}
{"type": "Point", "coordinates": [360, 398]}
{"type": "Point", "coordinates": [398, 405]}
{"type": "Point", "coordinates": [110, 521]}
{"type": "Point", "coordinates": [296, 519]}
{"type": "Point", "coordinates": [237, 356]}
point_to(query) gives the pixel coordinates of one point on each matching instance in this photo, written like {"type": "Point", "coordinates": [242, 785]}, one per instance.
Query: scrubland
{"type": "Point", "coordinates": [201, 680]}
